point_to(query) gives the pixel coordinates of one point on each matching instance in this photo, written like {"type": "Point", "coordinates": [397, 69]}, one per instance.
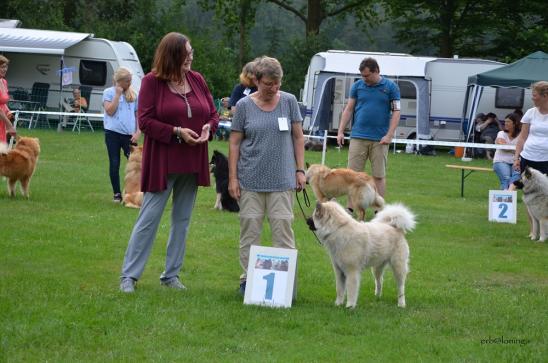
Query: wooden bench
{"type": "Point", "coordinates": [470, 170]}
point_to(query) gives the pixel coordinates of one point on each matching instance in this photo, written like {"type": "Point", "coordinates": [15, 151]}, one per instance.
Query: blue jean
{"type": "Point", "coordinates": [506, 173]}
{"type": "Point", "coordinates": [115, 142]}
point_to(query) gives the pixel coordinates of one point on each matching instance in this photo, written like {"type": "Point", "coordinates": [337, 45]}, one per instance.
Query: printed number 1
{"type": "Point", "coordinates": [504, 208]}
{"type": "Point", "coordinates": [269, 285]}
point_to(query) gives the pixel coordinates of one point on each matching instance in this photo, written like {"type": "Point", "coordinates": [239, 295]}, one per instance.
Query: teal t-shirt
{"type": "Point", "coordinates": [372, 111]}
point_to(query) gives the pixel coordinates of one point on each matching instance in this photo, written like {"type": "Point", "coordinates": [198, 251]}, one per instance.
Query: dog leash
{"type": "Point", "coordinates": [307, 204]}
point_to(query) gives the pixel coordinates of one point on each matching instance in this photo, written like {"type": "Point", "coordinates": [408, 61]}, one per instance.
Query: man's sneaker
{"type": "Point", "coordinates": [241, 290]}
{"type": "Point", "coordinates": [127, 285]}
{"type": "Point", "coordinates": [173, 283]}
{"type": "Point", "coordinates": [117, 198]}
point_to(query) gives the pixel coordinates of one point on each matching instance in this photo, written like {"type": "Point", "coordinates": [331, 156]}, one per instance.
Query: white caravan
{"type": "Point", "coordinates": [432, 91]}
{"type": "Point", "coordinates": [36, 56]}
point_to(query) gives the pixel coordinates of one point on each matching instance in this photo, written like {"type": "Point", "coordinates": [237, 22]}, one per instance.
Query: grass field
{"type": "Point", "coordinates": [476, 292]}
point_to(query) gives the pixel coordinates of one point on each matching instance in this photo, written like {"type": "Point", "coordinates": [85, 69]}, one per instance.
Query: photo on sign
{"type": "Point", "coordinates": [272, 263]}
{"type": "Point", "coordinates": [504, 198]}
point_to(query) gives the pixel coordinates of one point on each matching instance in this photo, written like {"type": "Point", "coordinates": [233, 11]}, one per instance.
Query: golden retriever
{"type": "Point", "coordinates": [19, 163]}
{"type": "Point", "coordinates": [329, 183]}
{"type": "Point", "coordinates": [133, 196]}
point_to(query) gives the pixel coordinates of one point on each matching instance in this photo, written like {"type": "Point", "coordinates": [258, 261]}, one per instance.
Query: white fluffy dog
{"type": "Point", "coordinates": [355, 245]}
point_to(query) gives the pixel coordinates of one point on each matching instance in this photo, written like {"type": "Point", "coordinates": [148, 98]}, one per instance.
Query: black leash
{"type": "Point", "coordinates": [307, 204]}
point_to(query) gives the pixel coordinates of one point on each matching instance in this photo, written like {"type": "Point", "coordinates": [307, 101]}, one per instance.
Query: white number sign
{"type": "Point", "coordinates": [502, 206]}
{"type": "Point", "coordinates": [270, 276]}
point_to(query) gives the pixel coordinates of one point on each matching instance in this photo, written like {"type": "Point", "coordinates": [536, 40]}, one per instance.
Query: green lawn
{"type": "Point", "coordinates": [61, 253]}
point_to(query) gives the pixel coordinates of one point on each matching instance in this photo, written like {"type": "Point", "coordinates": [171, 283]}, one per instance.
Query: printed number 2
{"type": "Point", "coordinates": [504, 208]}
{"type": "Point", "coordinates": [269, 285]}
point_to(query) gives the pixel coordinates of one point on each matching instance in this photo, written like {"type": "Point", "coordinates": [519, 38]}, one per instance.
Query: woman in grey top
{"type": "Point", "coordinates": [266, 161]}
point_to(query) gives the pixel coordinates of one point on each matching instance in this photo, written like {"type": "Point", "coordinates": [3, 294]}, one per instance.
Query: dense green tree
{"type": "Point", "coordinates": [498, 29]}
{"type": "Point", "coordinates": [451, 26]}
{"type": "Point", "coordinates": [316, 11]}
{"type": "Point", "coordinates": [521, 28]}
{"type": "Point", "coordinates": [238, 17]}
{"type": "Point", "coordinates": [45, 14]}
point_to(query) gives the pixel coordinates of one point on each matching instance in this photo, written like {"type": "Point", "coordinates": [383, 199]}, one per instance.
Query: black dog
{"type": "Point", "coordinates": [219, 167]}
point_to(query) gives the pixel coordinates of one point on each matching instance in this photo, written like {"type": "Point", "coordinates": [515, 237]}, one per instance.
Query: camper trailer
{"type": "Point", "coordinates": [432, 91]}
{"type": "Point", "coordinates": [37, 56]}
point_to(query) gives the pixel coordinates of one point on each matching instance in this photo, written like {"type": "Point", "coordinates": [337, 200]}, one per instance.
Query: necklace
{"type": "Point", "coordinates": [183, 95]}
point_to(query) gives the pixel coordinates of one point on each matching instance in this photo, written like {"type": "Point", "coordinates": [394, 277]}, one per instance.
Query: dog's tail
{"type": "Point", "coordinates": [4, 148]}
{"type": "Point", "coordinates": [398, 216]}
{"type": "Point", "coordinates": [378, 204]}
{"type": "Point", "coordinates": [371, 198]}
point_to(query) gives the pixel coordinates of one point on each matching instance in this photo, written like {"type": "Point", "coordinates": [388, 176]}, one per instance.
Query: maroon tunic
{"type": "Point", "coordinates": [159, 111]}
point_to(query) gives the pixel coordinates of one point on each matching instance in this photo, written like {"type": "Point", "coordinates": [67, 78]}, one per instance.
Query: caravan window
{"type": "Point", "coordinates": [93, 73]}
{"type": "Point", "coordinates": [509, 98]}
{"type": "Point", "coordinates": [407, 89]}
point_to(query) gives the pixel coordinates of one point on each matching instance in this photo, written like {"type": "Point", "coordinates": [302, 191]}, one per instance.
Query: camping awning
{"type": "Point", "coordinates": [391, 64]}
{"type": "Point", "coordinates": [521, 73]}
{"type": "Point", "coordinates": [19, 40]}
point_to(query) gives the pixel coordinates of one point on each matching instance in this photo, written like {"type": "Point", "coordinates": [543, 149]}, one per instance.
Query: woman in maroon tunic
{"type": "Point", "coordinates": [177, 116]}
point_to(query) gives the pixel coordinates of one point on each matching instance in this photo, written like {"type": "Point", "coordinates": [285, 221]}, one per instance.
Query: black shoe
{"type": "Point", "coordinates": [241, 290]}
{"type": "Point", "coordinates": [117, 198]}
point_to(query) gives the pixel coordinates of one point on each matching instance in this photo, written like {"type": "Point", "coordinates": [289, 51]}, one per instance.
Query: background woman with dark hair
{"type": "Point", "coordinates": [504, 159]}
{"type": "Point", "coordinates": [177, 116]}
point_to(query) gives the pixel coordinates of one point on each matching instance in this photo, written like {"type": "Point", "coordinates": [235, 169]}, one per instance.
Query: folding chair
{"type": "Point", "coordinates": [21, 102]}
{"type": "Point", "coordinates": [85, 92]}
{"type": "Point", "coordinates": [39, 97]}
{"type": "Point", "coordinates": [78, 121]}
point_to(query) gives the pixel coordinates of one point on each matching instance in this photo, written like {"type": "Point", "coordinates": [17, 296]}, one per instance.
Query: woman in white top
{"type": "Point", "coordinates": [532, 146]}
{"type": "Point", "coordinates": [504, 159]}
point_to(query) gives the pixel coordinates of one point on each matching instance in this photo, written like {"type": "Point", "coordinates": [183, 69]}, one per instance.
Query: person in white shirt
{"type": "Point", "coordinates": [504, 159]}
{"type": "Point", "coordinates": [532, 146]}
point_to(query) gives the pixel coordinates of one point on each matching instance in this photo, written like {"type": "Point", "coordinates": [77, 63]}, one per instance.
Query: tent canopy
{"type": "Point", "coordinates": [20, 40]}
{"type": "Point", "coordinates": [521, 73]}
{"type": "Point", "coordinates": [391, 64]}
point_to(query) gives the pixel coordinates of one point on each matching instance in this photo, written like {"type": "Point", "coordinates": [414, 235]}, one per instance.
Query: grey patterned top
{"type": "Point", "coordinates": [267, 158]}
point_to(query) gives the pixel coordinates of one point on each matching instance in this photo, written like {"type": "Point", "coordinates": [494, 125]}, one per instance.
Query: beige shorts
{"type": "Point", "coordinates": [361, 150]}
{"type": "Point", "coordinates": [278, 207]}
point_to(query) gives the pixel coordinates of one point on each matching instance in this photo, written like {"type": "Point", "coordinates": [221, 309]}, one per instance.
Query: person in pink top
{"type": "Point", "coordinates": [6, 126]}
{"type": "Point", "coordinates": [177, 116]}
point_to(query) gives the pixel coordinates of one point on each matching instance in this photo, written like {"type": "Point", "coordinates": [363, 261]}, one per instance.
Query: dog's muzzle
{"type": "Point", "coordinates": [311, 224]}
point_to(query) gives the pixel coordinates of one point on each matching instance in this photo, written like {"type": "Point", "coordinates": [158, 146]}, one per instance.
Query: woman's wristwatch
{"type": "Point", "coordinates": [300, 171]}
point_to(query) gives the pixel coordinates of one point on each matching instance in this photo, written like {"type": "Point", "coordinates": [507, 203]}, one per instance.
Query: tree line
{"type": "Point", "coordinates": [227, 33]}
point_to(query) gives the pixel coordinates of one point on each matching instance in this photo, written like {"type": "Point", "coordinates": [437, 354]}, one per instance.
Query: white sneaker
{"type": "Point", "coordinates": [127, 285]}
{"type": "Point", "coordinates": [173, 283]}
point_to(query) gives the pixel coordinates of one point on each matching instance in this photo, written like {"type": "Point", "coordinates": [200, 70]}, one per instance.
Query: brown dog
{"type": "Point", "coordinates": [329, 183]}
{"type": "Point", "coordinates": [133, 196]}
{"type": "Point", "coordinates": [19, 163]}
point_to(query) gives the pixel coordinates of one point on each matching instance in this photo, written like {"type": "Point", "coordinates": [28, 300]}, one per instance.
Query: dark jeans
{"type": "Point", "coordinates": [115, 142]}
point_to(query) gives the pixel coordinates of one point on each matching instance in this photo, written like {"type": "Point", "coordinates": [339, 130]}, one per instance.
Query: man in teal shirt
{"type": "Point", "coordinates": [375, 103]}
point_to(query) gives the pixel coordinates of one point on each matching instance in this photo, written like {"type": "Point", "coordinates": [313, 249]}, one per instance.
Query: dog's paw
{"type": "Point", "coordinates": [339, 302]}
{"type": "Point", "coordinates": [532, 237]}
{"type": "Point", "coordinates": [351, 306]}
